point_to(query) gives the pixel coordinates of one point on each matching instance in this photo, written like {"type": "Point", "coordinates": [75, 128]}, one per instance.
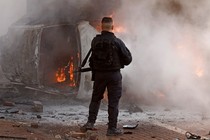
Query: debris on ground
{"type": "Point", "coordinates": [37, 106]}
{"type": "Point", "coordinates": [130, 126]}
{"type": "Point", "coordinates": [134, 108]}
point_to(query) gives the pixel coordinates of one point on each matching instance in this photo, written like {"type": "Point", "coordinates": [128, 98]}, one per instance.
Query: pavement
{"type": "Point", "coordinates": [144, 131]}
{"type": "Point", "coordinates": [61, 121]}
{"type": "Point", "coordinates": [154, 123]}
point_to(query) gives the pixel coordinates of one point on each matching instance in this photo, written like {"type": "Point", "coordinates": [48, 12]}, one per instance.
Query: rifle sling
{"type": "Point", "coordinates": [86, 58]}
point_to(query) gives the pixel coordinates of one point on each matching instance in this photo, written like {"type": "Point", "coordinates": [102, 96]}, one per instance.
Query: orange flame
{"type": "Point", "coordinates": [71, 73]}
{"type": "Point", "coordinates": [197, 59]}
{"type": "Point", "coordinates": [119, 29]}
{"type": "Point", "coordinates": [60, 75]}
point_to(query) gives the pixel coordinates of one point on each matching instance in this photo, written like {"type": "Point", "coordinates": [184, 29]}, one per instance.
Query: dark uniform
{"type": "Point", "coordinates": [109, 55]}
{"type": "Point", "coordinates": [108, 76]}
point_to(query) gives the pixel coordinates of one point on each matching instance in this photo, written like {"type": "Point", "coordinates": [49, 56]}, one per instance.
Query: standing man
{"type": "Point", "coordinates": [109, 55]}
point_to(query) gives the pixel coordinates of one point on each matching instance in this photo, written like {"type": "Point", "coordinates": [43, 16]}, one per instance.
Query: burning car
{"type": "Point", "coordinates": [46, 57]}
{"type": "Point", "coordinates": [44, 48]}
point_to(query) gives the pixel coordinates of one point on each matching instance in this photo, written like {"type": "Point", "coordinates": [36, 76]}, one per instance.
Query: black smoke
{"type": "Point", "coordinates": [68, 11]}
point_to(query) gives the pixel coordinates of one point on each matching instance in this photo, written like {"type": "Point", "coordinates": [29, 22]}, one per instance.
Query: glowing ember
{"type": "Point", "coordinates": [60, 75]}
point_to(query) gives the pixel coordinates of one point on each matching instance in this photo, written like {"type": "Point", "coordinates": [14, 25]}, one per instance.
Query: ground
{"type": "Point", "coordinates": [62, 116]}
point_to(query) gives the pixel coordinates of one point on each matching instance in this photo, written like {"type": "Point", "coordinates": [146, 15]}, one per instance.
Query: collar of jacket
{"type": "Point", "coordinates": [107, 33]}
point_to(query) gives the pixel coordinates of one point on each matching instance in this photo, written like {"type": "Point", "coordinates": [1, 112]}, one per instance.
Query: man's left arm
{"type": "Point", "coordinates": [125, 54]}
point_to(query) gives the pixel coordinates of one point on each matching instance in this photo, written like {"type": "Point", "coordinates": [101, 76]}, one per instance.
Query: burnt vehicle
{"type": "Point", "coordinates": [42, 50]}
{"type": "Point", "coordinates": [46, 57]}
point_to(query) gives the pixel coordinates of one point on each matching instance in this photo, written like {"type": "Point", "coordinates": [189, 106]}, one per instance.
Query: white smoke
{"type": "Point", "coordinates": [11, 11]}
{"type": "Point", "coordinates": [169, 40]}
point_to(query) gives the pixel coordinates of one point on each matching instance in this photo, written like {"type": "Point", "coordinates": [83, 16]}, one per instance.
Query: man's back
{"type": "Point", "coordinates": [105, 53]}
{"type": "Point", "coordinates": [109, 53]}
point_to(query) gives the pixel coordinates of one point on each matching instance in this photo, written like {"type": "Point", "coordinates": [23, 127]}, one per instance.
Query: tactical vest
{"type": "Point", "coordinates": [105, 54]}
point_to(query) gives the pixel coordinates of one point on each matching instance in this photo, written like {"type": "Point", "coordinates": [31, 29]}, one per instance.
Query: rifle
{"type": "Point", "coordinates": [82, 70]}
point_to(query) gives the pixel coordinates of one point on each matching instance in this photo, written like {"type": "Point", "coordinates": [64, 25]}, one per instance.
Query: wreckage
{"type": "Point", "coordinates": [42, 50]}
{"type": "Point", "coordinates": [46, 57]}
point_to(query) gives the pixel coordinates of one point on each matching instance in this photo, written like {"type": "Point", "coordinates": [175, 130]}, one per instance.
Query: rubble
{"type": "Point", "coordinates": [167, 109]}
{"type": "Point", "coordinates": [78, 134]}
{"type": "Point", "coordinates": [134, 108]}
{"type": "Point", "coordinates": [130, 126]}
{"type": "Point", "coordinates": [39, 116]}
{"type": "Point", "coordinates": [34, 125]}
{"type": "Point", "coordinates": [37, 106]}
{"type": "Point", "coordinates": [128, 132]}
{"type": "Point", "coordinates": [69, 113]}
{"type": "Point", "coordinates": [58, 136]}
{"type": "Point", "coordinates": [8, 103]}
{"type": "Point", "coordinates": [13, 138]}
{"type": "Point", "coordinates": [12, 110]}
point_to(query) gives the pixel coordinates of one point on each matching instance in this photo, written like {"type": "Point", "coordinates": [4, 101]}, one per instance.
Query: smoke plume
{"type": "Point", "coordinates": [11, 11]}
{"type": "Point", "coordinates": [70, 11]}
{"type": "Point", "coordinates": [169, 41]}
{"type": "Point", "coordinates": [170, 47]}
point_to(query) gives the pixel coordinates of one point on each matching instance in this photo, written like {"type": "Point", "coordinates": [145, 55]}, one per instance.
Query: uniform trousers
{"type": "Point", "coordinates": [112, 80]}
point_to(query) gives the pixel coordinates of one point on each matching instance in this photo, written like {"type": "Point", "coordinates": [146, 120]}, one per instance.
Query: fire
{"type": "Point", "coordinates": [71, 73]}
{"type": "Point", "coordinates": [60, 75]}
{"type": "Point", "coordinates": [119, 29]}
{"type": "Point", "coordinates": [189, 52]}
